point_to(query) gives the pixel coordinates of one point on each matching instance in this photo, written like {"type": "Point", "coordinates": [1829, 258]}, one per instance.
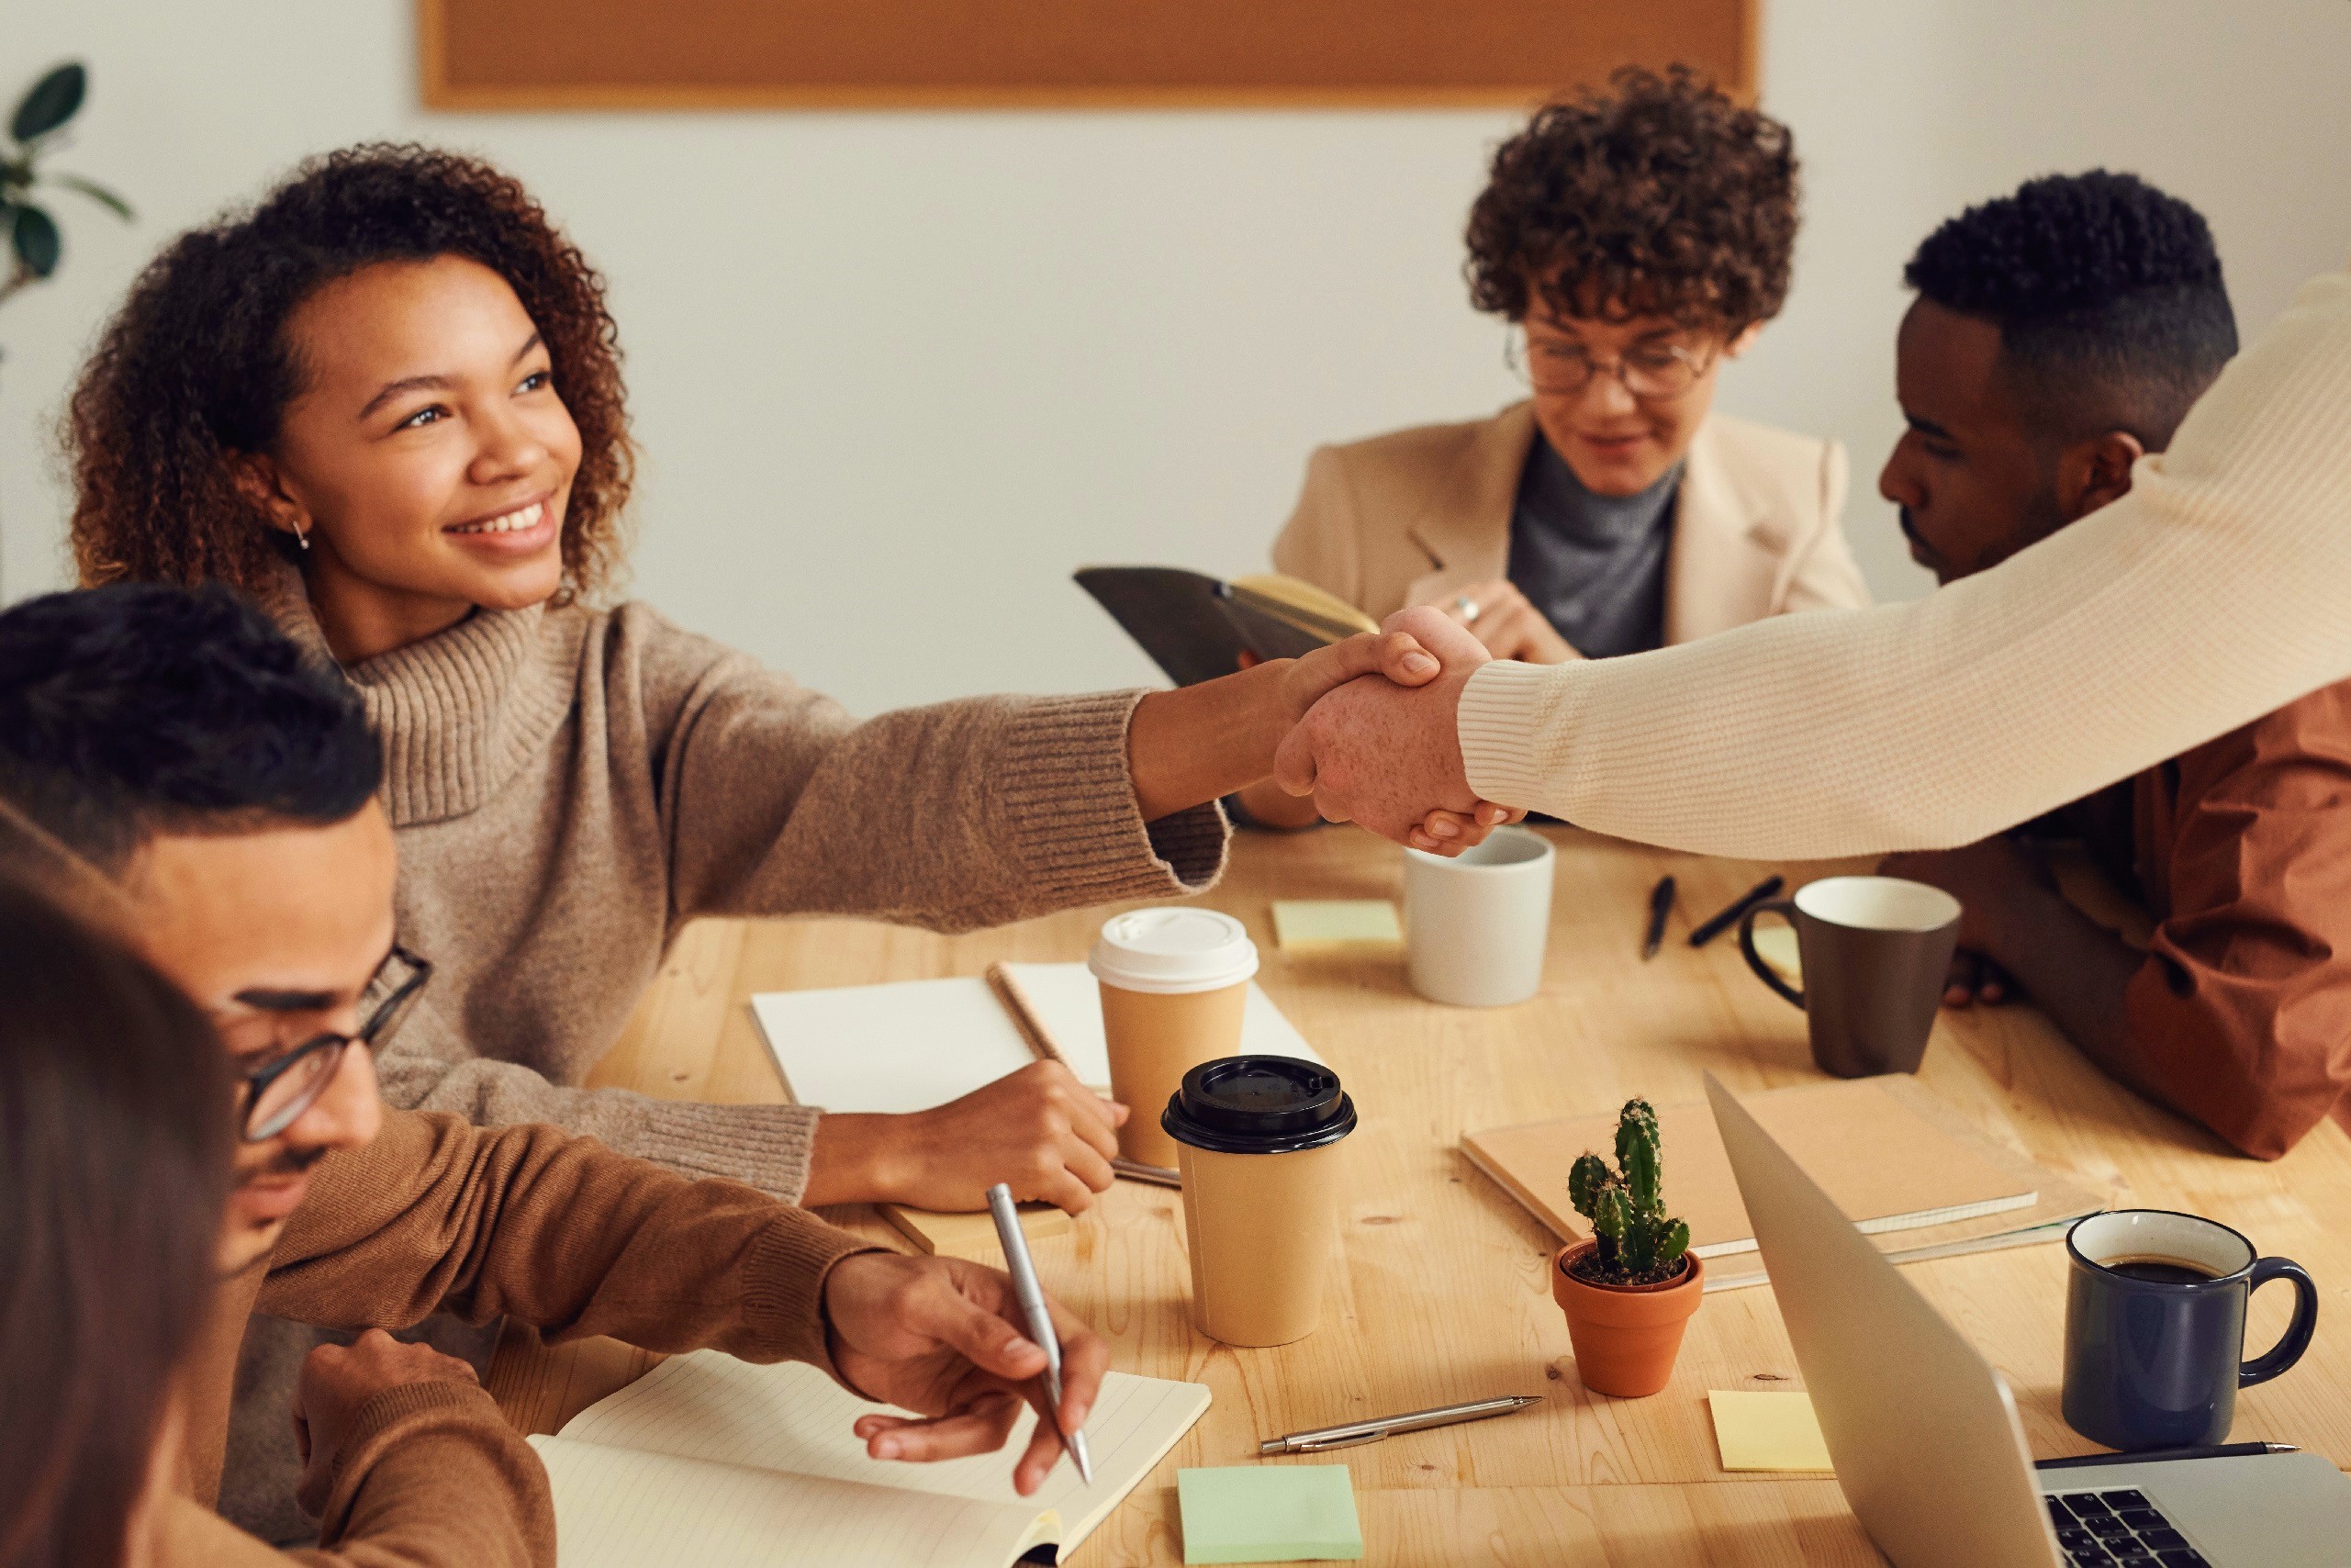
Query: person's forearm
{"type": "Point", "coordinates": [2074, 969]}
{"type": "Point", "coordinates": [1201, 743]}
{"type": "Point", "coordinates": [2209, 595]}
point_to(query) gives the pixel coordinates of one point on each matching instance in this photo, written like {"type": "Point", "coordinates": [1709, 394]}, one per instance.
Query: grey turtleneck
{"type": "Point", "coordinates": [1595, 566]}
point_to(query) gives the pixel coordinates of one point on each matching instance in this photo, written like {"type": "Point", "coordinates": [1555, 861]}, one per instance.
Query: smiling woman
{"type": "Point", "coordinates": [386, 402]}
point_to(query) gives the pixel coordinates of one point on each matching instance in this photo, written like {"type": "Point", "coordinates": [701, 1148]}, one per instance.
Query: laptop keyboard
{"type": "Point", "coordinates": [2100, 1528]}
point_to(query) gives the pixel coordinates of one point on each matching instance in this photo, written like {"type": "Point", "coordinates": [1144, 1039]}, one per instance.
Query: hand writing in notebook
{"type": "Point", "coordinates": [942, 1338]}
{"type": "Point", "coordinates": [1038, 1129]}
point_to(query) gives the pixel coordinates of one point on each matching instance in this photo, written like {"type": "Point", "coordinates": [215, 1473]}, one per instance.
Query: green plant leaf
{"type": "Point", "coordinates": [97, 193]}
{"type": "Point", "coordinates": [53, 100]}
{"type": "Point", "coordinates": [35, 240]}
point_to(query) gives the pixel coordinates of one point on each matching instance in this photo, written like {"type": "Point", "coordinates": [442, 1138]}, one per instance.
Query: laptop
{"type": "Point", "coordinates": [1924, 1435]}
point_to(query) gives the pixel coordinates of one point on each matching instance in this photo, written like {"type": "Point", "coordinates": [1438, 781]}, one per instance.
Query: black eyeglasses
{"type": "Point", "coordinates": [277, 1092]}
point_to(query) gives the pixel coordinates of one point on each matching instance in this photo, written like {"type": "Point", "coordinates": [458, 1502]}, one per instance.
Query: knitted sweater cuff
{"type": "Point", "coordinates": [767, 1146]}
{"type": "Point", "coordinates": [1070, 800]}
{"type": "Point", "coordinates": [783, 1286]}
{"type": "Point", "coordinates": [1507, 711]}
{"type": "Point", "coordinates": [398, 1418]}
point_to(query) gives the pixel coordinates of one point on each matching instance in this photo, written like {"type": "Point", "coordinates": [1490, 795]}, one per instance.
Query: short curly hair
{"type": "Point", "coordinates": [1659, 197]}
{"type": "Point", "coordinates": [2107, 291]}
{"type": "Point", "coordinates": [197, 366]}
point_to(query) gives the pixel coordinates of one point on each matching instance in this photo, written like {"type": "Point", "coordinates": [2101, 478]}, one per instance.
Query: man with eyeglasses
{"type": "Point", "coordinates": [1635, 240]}
{"type": "Point", "coordinates": [170, 765]}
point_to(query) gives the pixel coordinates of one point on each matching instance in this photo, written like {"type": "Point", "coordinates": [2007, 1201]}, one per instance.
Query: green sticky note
{"type": "Point", "coordinates": [1274, 1513]}
{"type": "Point", "coordinates": [1306, 925]}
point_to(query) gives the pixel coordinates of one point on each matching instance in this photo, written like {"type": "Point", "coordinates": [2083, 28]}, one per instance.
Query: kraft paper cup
{"type": "Point", "coordinates": [1174, 986]}
{"type": "Point", "coordinates": [1260, 1146]}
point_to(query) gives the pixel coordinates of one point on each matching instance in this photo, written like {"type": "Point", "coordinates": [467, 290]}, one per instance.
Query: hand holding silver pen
{"type": "Point", "coordinates": [1031, 1296]}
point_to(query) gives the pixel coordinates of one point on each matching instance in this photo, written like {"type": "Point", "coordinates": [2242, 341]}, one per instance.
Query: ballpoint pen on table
{"type": "Point", "coordinates": [1323, 1438]}
{"type": "Point", "coordinates": [1135, 1170]}
{"type": "Point", "coordinates": [1040, 1321]}
{"type": "Point", "coordinates": [1739, 906]}
{"type": "Point", "coordinates": [1660, 904]}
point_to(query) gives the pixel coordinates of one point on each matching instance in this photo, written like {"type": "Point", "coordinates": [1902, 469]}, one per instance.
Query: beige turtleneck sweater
{"type": "Point", "coordinates": [2212, 593]}
{"type": "Point", "coordinates": [570, 786]}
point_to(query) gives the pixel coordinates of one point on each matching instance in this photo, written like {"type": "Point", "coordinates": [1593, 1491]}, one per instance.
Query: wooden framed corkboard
{"type": "Point", "coordinates": [713, 54]}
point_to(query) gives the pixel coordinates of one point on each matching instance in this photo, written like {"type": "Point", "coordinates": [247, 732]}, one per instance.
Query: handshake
{"type": "Point", "coordinates": [1375, 740]}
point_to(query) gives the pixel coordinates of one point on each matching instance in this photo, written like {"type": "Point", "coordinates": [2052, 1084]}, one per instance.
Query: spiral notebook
{"type": "Point", "coordinates": [714, 1463]}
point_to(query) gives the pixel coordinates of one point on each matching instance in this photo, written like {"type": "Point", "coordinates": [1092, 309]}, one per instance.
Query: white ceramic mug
{"type": "Point", "coordinates": [1476, 925]}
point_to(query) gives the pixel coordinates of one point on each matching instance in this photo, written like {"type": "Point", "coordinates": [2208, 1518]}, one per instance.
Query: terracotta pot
{"type": "Point", "coordinates": [1626, 1337]}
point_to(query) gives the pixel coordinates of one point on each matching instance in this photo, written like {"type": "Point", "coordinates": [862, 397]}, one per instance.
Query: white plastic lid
{"type": "Point", "coordinates": [1166, 951]}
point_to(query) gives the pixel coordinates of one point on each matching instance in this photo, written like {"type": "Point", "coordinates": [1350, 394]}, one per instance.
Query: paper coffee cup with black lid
{"type": "Point", "coordinates": [1175, 985]}
{"type": "Point", "coordinates": [1260, 1140]}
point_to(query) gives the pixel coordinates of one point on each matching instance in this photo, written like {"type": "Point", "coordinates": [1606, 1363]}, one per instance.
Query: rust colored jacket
{"type": "Point", "coordinates": [2241, 1017]}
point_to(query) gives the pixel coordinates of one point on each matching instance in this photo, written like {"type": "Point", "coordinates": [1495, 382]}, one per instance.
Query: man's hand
{"type": "Point", "coordinates": [338, 1381]}
{"type": "Point", "coordinates": [944, 1338]}
{"type": "Point", "coordinates": [1499, 616]}
{"type": "Point", "coordinates": [1385, 757]}
{"type": "Point", "coordinates": [1985, 879]}
{"type": "Point", "coordinates": [1039, 1130]}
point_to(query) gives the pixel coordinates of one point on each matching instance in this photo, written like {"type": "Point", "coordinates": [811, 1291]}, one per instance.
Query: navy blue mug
{"type": "Point", "coordinates": [2154, 1326]}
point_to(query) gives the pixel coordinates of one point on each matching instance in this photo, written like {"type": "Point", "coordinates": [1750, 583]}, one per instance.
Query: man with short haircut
{"type": "Point", "coordinates": [168, 758]}
{"type": "Point", "coordinates": [2059, 335]}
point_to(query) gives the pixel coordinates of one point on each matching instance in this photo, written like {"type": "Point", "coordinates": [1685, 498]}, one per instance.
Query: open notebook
{"type": "Point", "coordinates": [711, 1463]}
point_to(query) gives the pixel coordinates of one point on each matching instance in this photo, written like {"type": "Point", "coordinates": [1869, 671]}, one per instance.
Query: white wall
{"type": "Point", "coordinates": [896, 374]}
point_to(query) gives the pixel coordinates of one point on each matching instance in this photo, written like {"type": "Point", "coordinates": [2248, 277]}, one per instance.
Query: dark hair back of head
{"type": "Point", "coordinates": [114, 1165]}
{"type": "Point", "coordinates": [198, 364]}
{"type": "Point", "coordinates": [2107, 292]}
{"type": "Point", "coordinates": [141, 709]}
{"type": "Point", "coordinates": [1658, 197]}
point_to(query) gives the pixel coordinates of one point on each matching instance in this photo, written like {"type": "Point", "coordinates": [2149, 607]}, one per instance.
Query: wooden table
{"type": "Point", "coordinates": [1441, 1294]}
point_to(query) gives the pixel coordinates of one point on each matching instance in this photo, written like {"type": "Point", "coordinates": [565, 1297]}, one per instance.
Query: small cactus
{"type": "Point", "coordinates": [1639, 1243]}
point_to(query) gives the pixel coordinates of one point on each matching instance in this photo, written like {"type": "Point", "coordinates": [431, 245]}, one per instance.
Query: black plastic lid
{"type": "Point", "coordinates": [1259, 1105]}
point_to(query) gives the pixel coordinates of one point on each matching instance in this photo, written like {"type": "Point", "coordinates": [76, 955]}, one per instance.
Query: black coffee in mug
{"type": "Point", "coordinates": [2154, 1327]}
{"type": "Point", "coordinates": [2159, 1271]}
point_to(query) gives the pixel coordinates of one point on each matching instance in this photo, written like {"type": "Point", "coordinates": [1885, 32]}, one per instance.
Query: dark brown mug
{"type": "Point", "coordinates": [1876, 954]}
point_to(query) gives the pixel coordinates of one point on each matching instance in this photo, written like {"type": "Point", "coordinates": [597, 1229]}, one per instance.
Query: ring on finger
{"type": "Point", "coordinates": [1469, 609]}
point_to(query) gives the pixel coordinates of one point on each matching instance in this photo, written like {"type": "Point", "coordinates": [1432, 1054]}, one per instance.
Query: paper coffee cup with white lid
{"type": "Point", "coordinates": [1174, 985]}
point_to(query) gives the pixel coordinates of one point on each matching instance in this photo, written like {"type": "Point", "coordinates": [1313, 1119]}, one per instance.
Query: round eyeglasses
{"type": "Point", "coordinates": [277, 1092]}
{"type": "Point", "coordinates": [1652, 371]}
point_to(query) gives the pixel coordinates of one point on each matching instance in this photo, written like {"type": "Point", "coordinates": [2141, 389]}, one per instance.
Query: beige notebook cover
{"type": "Point", "coordinates": [1899, 1165]}
{"type": "Point", "coordinates": [714, 1463]}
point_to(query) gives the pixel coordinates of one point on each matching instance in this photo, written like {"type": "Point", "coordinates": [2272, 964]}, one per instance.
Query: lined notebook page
{"type": "Point", "coordinates": [619, 1510]}
{"type": "Point", "coordinates": [792, 1417]}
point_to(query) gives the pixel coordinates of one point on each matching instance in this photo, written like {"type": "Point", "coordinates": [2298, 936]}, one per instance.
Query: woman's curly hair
{"type": "Point", "coordinates": [197, 366]}
{"type": "Point", "coordinates": [1661, 197]}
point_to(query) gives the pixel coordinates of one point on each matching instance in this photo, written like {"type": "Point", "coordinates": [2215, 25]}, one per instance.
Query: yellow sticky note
{"type": "Point", "coordinates": [1308, 924]}
{"type": "Point", "coordinates": [1767, 1431]}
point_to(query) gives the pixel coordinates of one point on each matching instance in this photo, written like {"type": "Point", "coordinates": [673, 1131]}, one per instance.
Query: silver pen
{"type": "Point", "coordinates": [1323, 1438]}
{"type": "Point", "coordinates": [1135, 1170]}
{"type": "Point", "coordinates": [1040, 1321]}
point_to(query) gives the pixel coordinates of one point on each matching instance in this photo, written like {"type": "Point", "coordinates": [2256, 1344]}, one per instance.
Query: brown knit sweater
{"type": "Point", "coordinates": [570, 786]}
{"type": "Point", "coordinates": [531, 1221]}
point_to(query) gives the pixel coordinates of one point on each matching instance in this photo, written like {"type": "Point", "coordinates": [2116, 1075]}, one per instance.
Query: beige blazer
{"type": "Point", "coordinates": [1405, 518]}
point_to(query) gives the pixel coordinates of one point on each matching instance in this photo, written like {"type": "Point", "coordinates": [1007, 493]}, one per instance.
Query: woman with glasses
{"type": "Point", "coordinates": [1634, 241]}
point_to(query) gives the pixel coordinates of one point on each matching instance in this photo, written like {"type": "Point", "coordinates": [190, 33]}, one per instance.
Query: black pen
{"type": "Point", "coordinates": [1730, 917]}
{"type": "Point", "coordinates": [1660, 904]}
{"type": "Point", "coordinates": [2217, 1450]}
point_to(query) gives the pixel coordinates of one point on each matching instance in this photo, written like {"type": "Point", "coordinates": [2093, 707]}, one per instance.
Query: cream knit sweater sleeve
{"type": "Point", "coordinates": [2218, 589]}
